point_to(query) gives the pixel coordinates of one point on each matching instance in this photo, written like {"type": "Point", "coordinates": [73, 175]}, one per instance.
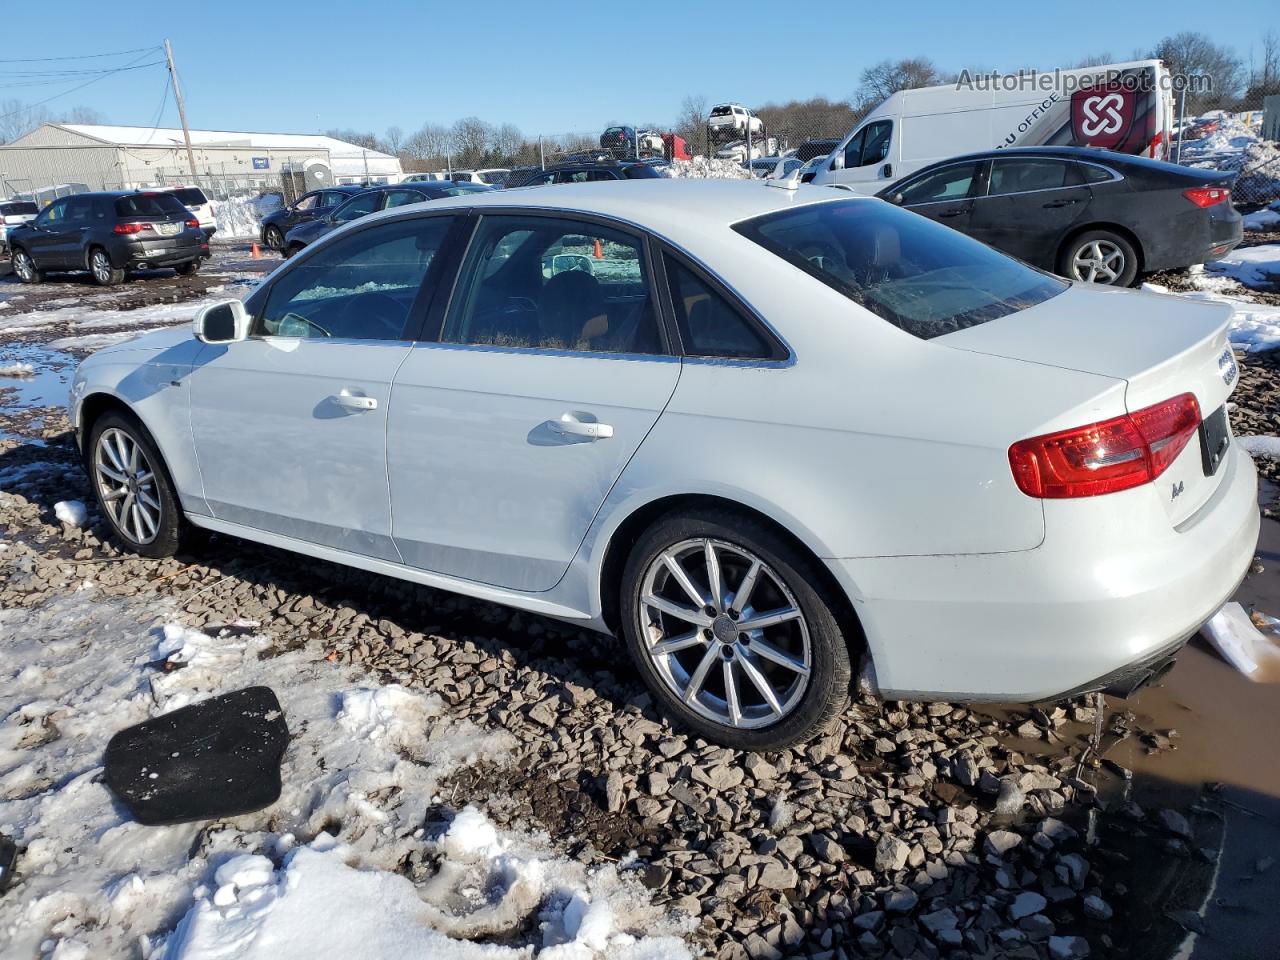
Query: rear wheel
{"type": "Point", "coordinates": [187, 269]}
{"type": "Point", "coordinates": [26, 268]}
{"type": "Point", "coordinates": [1100, 256]}
{"type": "Point", "coordinates": [274, 239]}
{"type": "Point", "coordinates": [133, 486]}
{"type": "Point", "coordinates": [104, 275]}
{"type": "Point", "coordinates": [733, 632]}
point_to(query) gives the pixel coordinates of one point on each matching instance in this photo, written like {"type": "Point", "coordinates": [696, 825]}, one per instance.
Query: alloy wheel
{"type": "Point", "coordinates": [725, 633]}
{"type": "Point", "coordinates": [101, 266]}
{"type": "Point", "coordinates": [1098, 261]}
{"type": "Point", "coordinates": [127, 485]}
{"type": "Point", "coordinates": [23, 265]}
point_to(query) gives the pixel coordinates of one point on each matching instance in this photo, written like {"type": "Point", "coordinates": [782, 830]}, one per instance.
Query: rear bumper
{"type": "Point", "coordinates": [1111, 593]}
{"type": "Point", "coordinates": [134, 254]}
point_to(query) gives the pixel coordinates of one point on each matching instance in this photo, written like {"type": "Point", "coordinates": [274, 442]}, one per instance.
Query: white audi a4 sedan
{"type": "Point", "coordinates": [769, 436]}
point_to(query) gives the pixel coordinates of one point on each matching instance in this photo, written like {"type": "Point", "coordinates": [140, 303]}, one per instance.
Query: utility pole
{"type": "Point", "coordinates": [182, 110]}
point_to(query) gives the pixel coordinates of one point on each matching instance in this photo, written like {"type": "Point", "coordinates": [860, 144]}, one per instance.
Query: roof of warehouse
{"type": "Point", "coordinates": [169, 136]}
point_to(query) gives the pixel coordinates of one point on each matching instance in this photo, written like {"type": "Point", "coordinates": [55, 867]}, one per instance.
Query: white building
{"type": "Point", "coordinates": [105, 157]}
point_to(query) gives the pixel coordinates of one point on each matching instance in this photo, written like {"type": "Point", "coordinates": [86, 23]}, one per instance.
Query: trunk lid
{"type": "Point", "coordinates": [1160, 345]}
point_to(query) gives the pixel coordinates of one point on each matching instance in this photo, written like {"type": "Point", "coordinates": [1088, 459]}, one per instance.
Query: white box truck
{"type": "Point", "coordinates": [1126, 107]}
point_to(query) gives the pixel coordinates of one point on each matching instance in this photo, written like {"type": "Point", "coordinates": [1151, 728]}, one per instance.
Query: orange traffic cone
{"type": "Point", "coordinates": [599, 250]}
{"type": "Point", "coordinates": [254, 252]}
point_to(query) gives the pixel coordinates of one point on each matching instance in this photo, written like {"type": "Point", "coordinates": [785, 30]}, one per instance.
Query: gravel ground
{"type": "Point", "coordinates": [909, 830]}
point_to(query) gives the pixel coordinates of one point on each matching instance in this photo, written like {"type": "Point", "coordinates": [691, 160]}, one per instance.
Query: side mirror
{"type": "Point", "coordinates": [897, 199]}
{"type": "Point", "coordinates": [223, 322]}
{"type": "Point", "coordinates": [837, 160]}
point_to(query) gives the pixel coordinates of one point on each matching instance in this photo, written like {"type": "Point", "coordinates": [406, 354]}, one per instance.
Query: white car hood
{"type": "Point", "coordinates": [152, 342]}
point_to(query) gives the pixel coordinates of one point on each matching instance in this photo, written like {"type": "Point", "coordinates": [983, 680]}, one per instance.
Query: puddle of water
{"type": "Point", "coordinates": [48, 387]}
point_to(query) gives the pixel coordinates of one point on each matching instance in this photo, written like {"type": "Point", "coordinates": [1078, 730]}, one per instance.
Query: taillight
{"type": "Point", "coordinates": [1207, 196]}
{"type": "Point", "coordinates": [1108, 456]}
{"type": "Point", "coordinates": [129, 227]}
{"type": "Point", "coordinates": [193, 223]}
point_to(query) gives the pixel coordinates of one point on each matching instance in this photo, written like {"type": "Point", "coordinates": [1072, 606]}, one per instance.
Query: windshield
{"type": "Point", "coordinates": [190, 195]}
{"type": "Point", "coordinates": [461, 189]}
{"type": "Point", "coordinates": [920, 276]}
{"type": "Point", "coordinates": [148, 205]}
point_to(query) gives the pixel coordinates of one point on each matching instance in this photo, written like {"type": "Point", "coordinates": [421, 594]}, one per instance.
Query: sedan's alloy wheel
{"type": "Point", "coordinates": [1098, 261]}
{"type": "Point", "coordinates": [23, 266]}
{"type": "Point", "coordinates": [127, 486]}
{"type": "Point", "coordinates": [725, 633]}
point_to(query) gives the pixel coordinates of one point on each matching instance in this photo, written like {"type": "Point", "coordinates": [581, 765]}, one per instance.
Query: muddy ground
{"type": "Point", "coordinates": [910, 830]}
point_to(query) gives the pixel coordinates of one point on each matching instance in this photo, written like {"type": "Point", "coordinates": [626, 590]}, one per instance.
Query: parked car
{"type": "Point", "coordinates": [13, 213]}
{"type": "Point", "coordinates": [733, 119]}
{"type": "Point", "coordinates": [491, 176]}
{"type": "Point", "coordinates": [1126, 107]}
{"type": "Point", "coordinates": [588, 171]}
{"type": "Point", "coordinates": [737, 150]}
{"type": "Point", "coordinates": [371, 201]}
{"type": "Point", "coordinates": [197, 201]}
{"type": "Point", "coordinates": [427, 177]}
{"type": "Point", "coordinates": [108, 234]}
{"type": "Point", "coordinates": [309, 206]}
{"type": "Point", "coordinates": [1085, 214]}
{"type": "Point", "coordinates": [761, 433]}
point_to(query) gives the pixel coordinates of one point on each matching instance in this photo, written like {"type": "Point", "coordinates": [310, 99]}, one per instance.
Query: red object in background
{"type": "Point", "coordinates": [675, 148]}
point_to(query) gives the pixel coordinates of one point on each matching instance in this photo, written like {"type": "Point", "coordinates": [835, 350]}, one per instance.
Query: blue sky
{"type": "Point", "coordinates": [554, 66]}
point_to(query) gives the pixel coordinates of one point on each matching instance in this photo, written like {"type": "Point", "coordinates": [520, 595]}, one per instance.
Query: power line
{"type": "Point", "coordinates": [39, 103]}
{"type": "Point", "coordinates": [96, 74]}
{"type": "Point", "coordinates": [83, 56]}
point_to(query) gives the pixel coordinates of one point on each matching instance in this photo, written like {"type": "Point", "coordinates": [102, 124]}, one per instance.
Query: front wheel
{"type": "Point", "coordinates": [733, 631]}
{"type": "Point", "coordinates": [133, 487]}
{"type": "Point", "coordinates": [26, 268]}
{"type": "Point", "coordinates": [187, 269]}
{"type": "Point", "coordinates": [274, 239]}
{"type": "Point", "coordinates": [1100, 256]}
{"type": "Point", "coordinates": [104, 275]}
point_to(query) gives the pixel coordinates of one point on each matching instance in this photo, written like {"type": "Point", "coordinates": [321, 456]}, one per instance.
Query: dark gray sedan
{"type": "Point", "coordinates": [373, 200]}
{"type": "Point", "coordinates": [1083, 213]}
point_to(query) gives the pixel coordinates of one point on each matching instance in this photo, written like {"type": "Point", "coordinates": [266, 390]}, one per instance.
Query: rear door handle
{"type": "Point", "coordinates": [349, 401]}
{"type": "Point", "coordinates": [1060, 203]}
{"type": "Point", "coordinates": [570, 425]}
{"type": "Point", "coordinates": [952, 213]}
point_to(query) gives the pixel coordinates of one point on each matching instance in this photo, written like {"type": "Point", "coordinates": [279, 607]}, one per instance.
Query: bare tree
{"type": "Point", "coordinates": [800, 120]}
{"type": "Point", "coordinates": [506, 142]}
{"type": "Point", "coordinates": [1264, 78]}
{"type": "Point", "coordinates": [889, 76]}
{"type": "Point", "coordinates": [368, 140]}
{"type": "Point", "coordinates": [691, 124]}
{"type": "Point", "coordinates": [394, 139]}
{"type": "Point", "coordinates": [18, 118]}
{"type": "Point", "coordinates": [427, 147]}
{"type": "Point", "coordinates": [471, 138]}
{"type": "Point", "coordinates": [82, 115]}
{"type": "Point", "coordinates": [1193, 53]}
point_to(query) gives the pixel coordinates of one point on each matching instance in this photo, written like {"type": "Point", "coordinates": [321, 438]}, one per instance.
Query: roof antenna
{"type": "Point", "coordinates": [790, 182]}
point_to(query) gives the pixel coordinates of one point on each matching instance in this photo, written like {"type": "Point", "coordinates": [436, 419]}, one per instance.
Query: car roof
{"type": "Point", "coordinates": [673, 207]}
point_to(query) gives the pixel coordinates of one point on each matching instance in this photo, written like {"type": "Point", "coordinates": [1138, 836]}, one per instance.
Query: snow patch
{"type": "Point", "coordinates": [702, 168]}
{"type": "Point", "coordinates": [1263, 446]}
{"type": "Point", "coordinates": [17, 369]}
{"type": "Point", "coordinates": [71, 512]}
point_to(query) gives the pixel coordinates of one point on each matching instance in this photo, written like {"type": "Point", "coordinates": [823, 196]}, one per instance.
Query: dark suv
{"type": "Point", "coordinates": [108, 234]}
{"type": "Point", "coordinates": [309, 206]}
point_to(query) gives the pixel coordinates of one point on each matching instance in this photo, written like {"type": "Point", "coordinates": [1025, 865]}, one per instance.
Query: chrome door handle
{"type": "Point", "coordinates": [351, 402]}
{"type": "Point", "coordinates": [570, 426]}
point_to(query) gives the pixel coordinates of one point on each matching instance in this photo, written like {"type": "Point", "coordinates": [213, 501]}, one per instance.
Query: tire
{"type": "Point", "coordinates": [25, 267]}
{"type": "Point", "coordinates": [801, 706]}
{"type": "Point", "coordinates": [100, 268]}
{"type": "Point", "coordinates": [188, 269]}
{"type": "Point", "coordinates": [294, 250]}
{"type": "Point", "coordinates": [157, 528]}
{"type": "Point", "coordinates": [274, 239]}
{"type": "Point", "coordinates": [1100, 256]}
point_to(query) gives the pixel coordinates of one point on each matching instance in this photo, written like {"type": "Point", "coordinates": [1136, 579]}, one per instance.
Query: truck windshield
{"type": "Point", "coordinates": [918, 275]}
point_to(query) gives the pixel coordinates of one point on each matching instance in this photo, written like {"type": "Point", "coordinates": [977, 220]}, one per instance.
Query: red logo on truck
{"type": "Point", "coordinates": [1103, 116]}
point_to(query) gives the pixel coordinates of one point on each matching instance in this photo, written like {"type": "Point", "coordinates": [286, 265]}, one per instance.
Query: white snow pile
{"type": "Point", "coordinates": [1257, 268]}
{"type": "Point", "coordinates": [1263, 446]}
{"type": "Point", "coordinates": [1254, 327]}
{"type": "Point", "coordinates": [19, 370]}
{"type": "Point", "coordinates": [318, 874]}
{"type": "Point", "coordinates": [713, 169]}
{"type": "Point", "coordinates": [1235, 147]}
{"type": "Point", "coordinates": [1260, 220]}
{"type": "Point", "coordinates": [237, 216]}
{"type": "Point", "coordinates": [71, 512]}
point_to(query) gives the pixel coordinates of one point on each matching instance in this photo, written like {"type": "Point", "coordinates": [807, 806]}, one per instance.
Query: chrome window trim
{"type": "Point", "coordinates": [1022, 193]}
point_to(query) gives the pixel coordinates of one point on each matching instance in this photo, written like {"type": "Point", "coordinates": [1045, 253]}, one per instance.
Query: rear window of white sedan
{"type": "Point", "coordinates": [923, 277]}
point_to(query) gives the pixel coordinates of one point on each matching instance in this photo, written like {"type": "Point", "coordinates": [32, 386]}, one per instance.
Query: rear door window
{"type": "Point", "coordinates": [1025, 174]}
{"type": "Point", "coordinates": [190, 196]}
{"type": "Point", "coordinates": [554, 284]}
{"type": "Point", "coordinates": [922, 277]}
{"type": "Point", "coordinates": [358, 206]}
